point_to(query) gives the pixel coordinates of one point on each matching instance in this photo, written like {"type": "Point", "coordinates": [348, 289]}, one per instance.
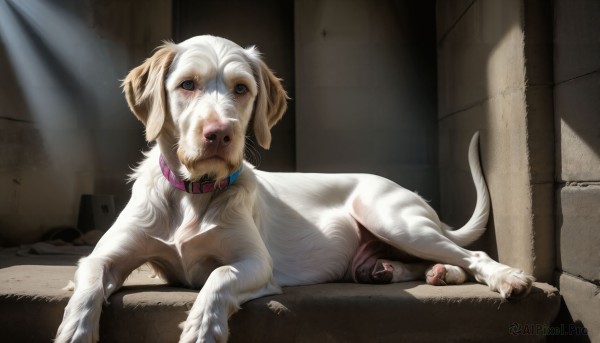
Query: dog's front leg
{"type": "Point", "coordinates": [249, 276]}
{"type": "Point", "coordinates": [82, 314]}
{"type": "Point", "coordinates": [97, 277]}
{"type": "Point", "coordinates": [95, 281]}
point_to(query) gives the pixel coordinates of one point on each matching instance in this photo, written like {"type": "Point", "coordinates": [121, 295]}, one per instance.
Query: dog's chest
{"type": "Point", "coordinates": [188, 261]}
{"type": "Point", "coordinates": [190, 252]}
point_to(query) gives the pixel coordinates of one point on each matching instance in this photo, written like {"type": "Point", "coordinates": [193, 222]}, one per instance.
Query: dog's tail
{"type": "Point", "coordinates": [476, 226]}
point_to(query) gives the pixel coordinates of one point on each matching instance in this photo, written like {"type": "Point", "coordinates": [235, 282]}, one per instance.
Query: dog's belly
{"type": "Point", "coordinates": [308, 253]}
{"type": "Point", "coordinates": [307, 226]}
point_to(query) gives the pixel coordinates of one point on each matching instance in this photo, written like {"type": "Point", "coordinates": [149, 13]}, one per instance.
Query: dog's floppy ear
{"type": "Point", "coordinates": [271, 101]}
{"type": "Point", "coordinates": [144, 89]}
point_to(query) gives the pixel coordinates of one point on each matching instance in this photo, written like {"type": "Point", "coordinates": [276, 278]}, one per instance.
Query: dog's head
{"type": "Point", "coordinates": [200, 96]}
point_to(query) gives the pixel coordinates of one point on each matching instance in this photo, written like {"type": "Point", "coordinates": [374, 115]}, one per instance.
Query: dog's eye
{"type": "Point", "coordinates": [188, 85]}
{"type": "Point", "coordinates": [240, 89]}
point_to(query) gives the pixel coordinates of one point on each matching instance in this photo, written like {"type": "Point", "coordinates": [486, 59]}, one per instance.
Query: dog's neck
{"type": "Point", "coordinates": [197, 187]}
{"type": "Point", "coordinates": [204, 185]}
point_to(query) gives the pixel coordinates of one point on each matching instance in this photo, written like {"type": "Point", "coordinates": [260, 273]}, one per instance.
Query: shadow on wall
{"type": "Point", "coordinates": [366, 90]}
{"type": "Point", "coordinates": [48, 53]}
{"type": "Point", "coordinates": [473, 88]}
{"type": "Point", "coordinates": [487, 84]}
{"type": "Point", "coordinates": [577, 83]}
{"type": "Point", "coordinates": [68, 129]}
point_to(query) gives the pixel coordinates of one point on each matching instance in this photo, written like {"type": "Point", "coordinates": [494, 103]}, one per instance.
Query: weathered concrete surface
{"type": "Point", "coordinates": [578, 225]}
{"type": "Point", "coordinates": [494, 77]}
{"type": "Point", "coordinates": [576, 46]}
{"type": "Point", "coordinates": [467, 98]}
{"type": "Point", "coordinates": [577, 124]}
{"type": "Point", "coordinates": [145, 310]}
{"type": "Point", "coordinates": [391, 313]}
{"type": "Point", "coordinates": [366, 82]}
{"type": "Point", "coordinates": [582, 303]}
{"type": "Point", "coordinates": [578, 128]}
{"type": "Point", "coordinates": [448, 13]}
{"type": "Point", "coordinates": [66, 129]}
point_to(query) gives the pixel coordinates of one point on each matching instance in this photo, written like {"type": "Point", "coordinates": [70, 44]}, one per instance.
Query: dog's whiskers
{"type": "Point", "coordinates": [251, 153]}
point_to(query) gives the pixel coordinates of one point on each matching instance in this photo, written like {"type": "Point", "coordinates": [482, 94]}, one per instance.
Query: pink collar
{"type": "Point", "coordinates": [197, 187]}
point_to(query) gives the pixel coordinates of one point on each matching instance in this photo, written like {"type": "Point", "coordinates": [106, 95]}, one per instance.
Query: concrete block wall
{"type": "Point", "coordinates": [65, 128]}
{"type": "Point", "coordinates": [577, 125]}
{"type": "Point", "coordinates": [492, 80]}
{"type": "Point", "coordinates": [365, 90]}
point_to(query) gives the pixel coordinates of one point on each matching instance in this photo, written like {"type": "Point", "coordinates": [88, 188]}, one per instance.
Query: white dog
{"type": "Point", "coordinates": [204, 218]}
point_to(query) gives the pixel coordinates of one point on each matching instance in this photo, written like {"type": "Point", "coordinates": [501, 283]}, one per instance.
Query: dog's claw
{"type": "Point", "coordinates": [436, 275]}
{"type": "Point", "coordinates": [514, 284]}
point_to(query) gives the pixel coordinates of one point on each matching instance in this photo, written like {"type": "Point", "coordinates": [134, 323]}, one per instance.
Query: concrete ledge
{"type": "Point", "coordinates": [581, 304]}
{"type": "Point", "coordinates": [145, 310]}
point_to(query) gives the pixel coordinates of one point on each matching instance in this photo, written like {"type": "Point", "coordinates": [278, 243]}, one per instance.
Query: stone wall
{"type": "Point", "coordinates": [65, 128]}
{"type": "Point", "coordinates": [490, 79]}
{"type": "Point", "coordinates": [366, 90]}
{"type": "Point", "coordinates": [526, 74]}
{"type": "Point", "coordinates": [577, 114]}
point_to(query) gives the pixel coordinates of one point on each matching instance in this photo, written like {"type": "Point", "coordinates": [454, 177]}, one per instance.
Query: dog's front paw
{"type": "Point", "coordinates": [204, 326]}
{"type": "Point", "coordinates": [512, 283]}
{"type": "Point", "coordinates": [77, 328]}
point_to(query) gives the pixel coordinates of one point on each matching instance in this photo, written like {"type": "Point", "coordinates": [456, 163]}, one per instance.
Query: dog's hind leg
{"type": "Point", "coordinates": [378, 262]}
{"type": "Point", "coordinates": [416, 233]}
{"type": "Point", "coordinates": [444, 274]}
